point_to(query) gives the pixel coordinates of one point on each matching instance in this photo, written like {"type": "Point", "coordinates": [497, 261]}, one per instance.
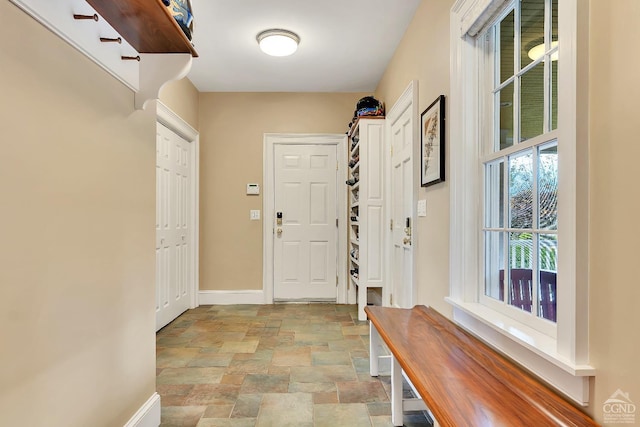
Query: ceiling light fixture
{"type": "Point", "coordinates": [538, 51]}
{"type": "Point", "coordinates": [276, 42]}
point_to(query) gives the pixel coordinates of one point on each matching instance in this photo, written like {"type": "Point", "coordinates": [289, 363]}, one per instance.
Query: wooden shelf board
{"type": "Point", "coordinates": [146, 24]}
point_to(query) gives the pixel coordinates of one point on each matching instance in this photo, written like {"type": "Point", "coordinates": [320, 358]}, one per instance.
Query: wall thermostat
{"type": "Point", "coordinates": [253, 188]}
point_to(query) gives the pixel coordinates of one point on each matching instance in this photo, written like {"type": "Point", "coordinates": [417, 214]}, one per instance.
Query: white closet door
{"type": "Point", "coordinates": [401, 209]}
{"type": "Point", "coordinates": [173, 204]}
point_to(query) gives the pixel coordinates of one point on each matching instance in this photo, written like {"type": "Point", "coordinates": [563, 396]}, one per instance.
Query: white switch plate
{"type": "Point", "coordinates": [422, 207]}
{"type": "Point", "coordinates": [254, 214]}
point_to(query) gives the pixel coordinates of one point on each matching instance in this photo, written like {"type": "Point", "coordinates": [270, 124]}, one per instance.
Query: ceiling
{"type": "Point", "coordinates": [345, 46]}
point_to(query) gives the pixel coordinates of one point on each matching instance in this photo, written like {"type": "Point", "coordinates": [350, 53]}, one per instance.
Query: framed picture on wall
{"type": "Point", "coordinates": [432, 143]}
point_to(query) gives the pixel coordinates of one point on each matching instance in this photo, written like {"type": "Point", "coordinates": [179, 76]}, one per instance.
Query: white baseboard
{"type": "Point", "coordinates": [230, 297]}
{"type": "Point", "coordinates": [148, 415]}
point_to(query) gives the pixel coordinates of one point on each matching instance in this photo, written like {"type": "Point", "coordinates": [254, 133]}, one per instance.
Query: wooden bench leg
{"type": "Point", "coordinates": [396, 393]}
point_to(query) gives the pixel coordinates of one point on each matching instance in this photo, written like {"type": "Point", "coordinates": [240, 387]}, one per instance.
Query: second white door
{"type": "Point", "coordinates": [401, 209]}
{"type": "Point", "coordinates": [173, 174]}
{"type": "Point", "coordinates": [305, 240]}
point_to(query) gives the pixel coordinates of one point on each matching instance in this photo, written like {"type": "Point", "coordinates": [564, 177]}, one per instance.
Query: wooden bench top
{"type": "Point", "coordinates": [463, 381]}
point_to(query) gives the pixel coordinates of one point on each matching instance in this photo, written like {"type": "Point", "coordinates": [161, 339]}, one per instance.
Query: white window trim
{"type": "Point", "coordinates": [562, 362]}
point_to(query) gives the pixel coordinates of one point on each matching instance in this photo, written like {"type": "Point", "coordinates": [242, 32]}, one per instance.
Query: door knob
{"type": "Point", "coordinates": [406, 241]}
{"type": "Point", "coordinates": [407, 228]}
{"type": "Point", "coordinates": [279, 231]}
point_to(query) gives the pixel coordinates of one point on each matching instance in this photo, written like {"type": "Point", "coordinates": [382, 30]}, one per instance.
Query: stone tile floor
{"type": "Point", "coordinates": [279, 365]}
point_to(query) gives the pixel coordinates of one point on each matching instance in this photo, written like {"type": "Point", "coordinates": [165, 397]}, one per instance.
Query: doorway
{"type": "Point", "coordinates": [304, 218]}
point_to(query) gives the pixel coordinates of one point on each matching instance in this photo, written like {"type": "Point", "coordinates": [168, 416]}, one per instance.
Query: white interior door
{"type": "Point", "coordinates": [402, 209]}
{"type": "Point", "coordinates": [306, 241]}
{"type": "Point", "coordinates": [173, 172]}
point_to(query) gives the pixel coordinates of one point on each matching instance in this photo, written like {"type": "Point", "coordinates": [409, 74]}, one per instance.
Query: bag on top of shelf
{"type": "Point", "coordinates": [369, 106]}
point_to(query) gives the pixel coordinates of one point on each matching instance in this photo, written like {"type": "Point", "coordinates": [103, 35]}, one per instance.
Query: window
{"type": "Point", "coordinates": [519, 179]}
{"type": "Point", "coordinates": [519, 162]}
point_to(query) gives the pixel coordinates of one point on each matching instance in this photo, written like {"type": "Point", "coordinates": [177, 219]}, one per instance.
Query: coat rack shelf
{"type": "Point", "coordinates": [146, 28]}
{"type": "Point", "coordinates": [146, 24]}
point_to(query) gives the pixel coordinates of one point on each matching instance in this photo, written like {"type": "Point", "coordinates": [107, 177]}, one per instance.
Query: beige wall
{"type": "Point", "coordinates": [614, 154]}
{"type": "Point", "coordinates": [76, 219]}
{"type": "Point", "coordinates": [423, 55]}
{"type": "Point", "coordinates": [232, 127]}
{"type": "Point", "coordinates": [181, 96]}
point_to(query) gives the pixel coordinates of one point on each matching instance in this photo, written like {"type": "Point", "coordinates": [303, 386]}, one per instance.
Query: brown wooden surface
{"type": "Point", "coordinates": [462, 380]}
{"type": "Point", "coordinates": [146, 24]}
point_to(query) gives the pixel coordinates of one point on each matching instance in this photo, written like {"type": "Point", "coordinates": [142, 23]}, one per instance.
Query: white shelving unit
{"type": "Point", "coordinates": [366, 208]}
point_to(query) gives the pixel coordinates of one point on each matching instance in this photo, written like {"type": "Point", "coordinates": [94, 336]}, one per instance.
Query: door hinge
{"type": "Point", "coordinates": [336, 222]}
{"type": "Point", "coordinates": [391, 225]}
{"type": "Point", "coordinates": [390, 299]}
{"type": "Point", "coordinates": [337, 165]}
{"type": "Point", "coordinates": [336, 280]}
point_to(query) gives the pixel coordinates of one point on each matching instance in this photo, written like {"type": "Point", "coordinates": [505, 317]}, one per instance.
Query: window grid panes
{"type": "Point", "coordinates": [520, 185]}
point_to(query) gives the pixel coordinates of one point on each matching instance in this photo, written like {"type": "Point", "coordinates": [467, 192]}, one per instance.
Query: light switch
{"type": "Point", "coordinates": [254, 214]}
{"type": "Point", "coordinates": [422, 207]}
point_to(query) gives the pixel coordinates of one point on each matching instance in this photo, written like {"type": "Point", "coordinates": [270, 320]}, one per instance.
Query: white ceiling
{"type": "Point", "coordinates": [345, 44]}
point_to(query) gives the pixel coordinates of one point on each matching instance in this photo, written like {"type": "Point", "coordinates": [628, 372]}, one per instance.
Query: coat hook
{"type": "Point", "coordinates": [94, 16]}
{"type": "Point", "coordinates": [111, 40]}
{"type": "Point", "coordinates": [130, 58]}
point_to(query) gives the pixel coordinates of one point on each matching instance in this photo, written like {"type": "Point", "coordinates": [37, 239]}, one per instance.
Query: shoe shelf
{"type": "Point", "coordinates": [366, 205]}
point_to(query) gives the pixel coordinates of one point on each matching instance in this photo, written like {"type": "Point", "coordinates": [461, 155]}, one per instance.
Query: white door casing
{"type": "Point", "coordinates": [302, 180]}
{"type": "Point", "coordinates": [176, 216]}
{"type": "Point", "coordinates": [305, 252]}
{"type": "Point", "coordinates": [402, 129]}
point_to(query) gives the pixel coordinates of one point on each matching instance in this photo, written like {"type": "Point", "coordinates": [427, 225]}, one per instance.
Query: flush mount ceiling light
{"type": "Point", "coordinates": [278, 42]}
{"type": "Point", "coordinates": [538, 51]}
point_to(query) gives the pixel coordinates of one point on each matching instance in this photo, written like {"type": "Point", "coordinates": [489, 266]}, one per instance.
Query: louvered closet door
{"type": "Point", "coordinates": [173, 174]}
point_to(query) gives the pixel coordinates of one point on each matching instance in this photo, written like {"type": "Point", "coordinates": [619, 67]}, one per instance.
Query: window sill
{"type": "Point", "coordinates": [533, 350]}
